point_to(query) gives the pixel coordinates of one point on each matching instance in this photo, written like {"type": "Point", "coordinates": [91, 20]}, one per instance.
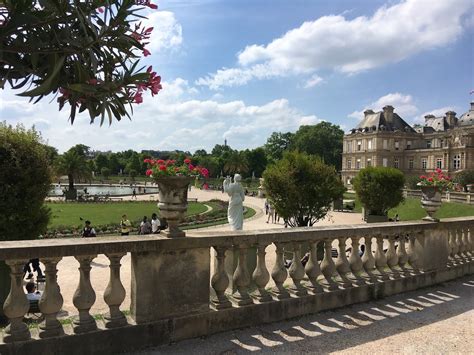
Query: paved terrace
{"type": "Point", "coordinates": [434, 320]}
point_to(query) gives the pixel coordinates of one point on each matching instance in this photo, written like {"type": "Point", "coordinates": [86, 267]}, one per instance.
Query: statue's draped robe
{"type": "Point", "coordinates": [235, 212]}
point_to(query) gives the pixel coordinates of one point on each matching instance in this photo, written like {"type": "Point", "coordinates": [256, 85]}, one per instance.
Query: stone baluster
{"type": "Point", "coordinates": [241, 278]}
{"type": "Point", "coordinates": [312, 269]}
{"type": "Point", "coordinates": [328, 268]}
{"type": "Point", "coordinates": [51, 301]}
{"type": "Point", "coordinates": [342, 264]}
{"type": "Point", "coordinates": [461, 244]}
{"type": "Point", "coordinates": [279, 274]}
{"type": "Point", "coordinates": [84, 297]}
{"type": "Point", "coordinates": [470, 243]}
{"type": "Point", "coordinates": [296, 272]}
{"type": "Point", "coordinates": [392, 257]}
{"type": "Point", "coordinates": [220, 281]}
{"type": "Point", "coordinates": [355, 262]}
{"type": "Point", "coordinates": [402, 254]}
{"type": "Point", "coordinates": [380, 260]}
{"type": "Point", "coordinates": [261, 276]}
{"type": "Point", "coordinates": [368, 259]}
{"type": "Point", "coordinates": [16, 304]}
{"type": "Point", "coordinates": [456, 248]}
{"type": "Point", "coordinates": [466, 247]}
{"type": "Point", "coordinates": [452, 246]}
{"type": "Point", "coordinates": [114, 293]}
{"type": "Point", "coordinates": [413, 259]}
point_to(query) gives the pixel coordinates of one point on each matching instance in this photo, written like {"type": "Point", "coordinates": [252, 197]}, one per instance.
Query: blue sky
{"type": "Point", "coordinates": [243, 69]}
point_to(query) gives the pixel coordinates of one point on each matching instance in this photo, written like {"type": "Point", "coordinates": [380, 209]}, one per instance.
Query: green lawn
{"type": "Point", "coordinates": [67, 214]}
{"type": "Point", "coordinates": [411, 209]}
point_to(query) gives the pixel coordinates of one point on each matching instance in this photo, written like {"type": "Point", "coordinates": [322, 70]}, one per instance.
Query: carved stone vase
{"type": "Point", "coordinates": [430, 201]}
{"type": "Point", "coordinates": [173, 202]}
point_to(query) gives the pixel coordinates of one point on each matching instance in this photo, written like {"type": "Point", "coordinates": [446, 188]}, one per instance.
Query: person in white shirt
{"type": "Point", "coordinates": [155, 224]}
{"type": "Point", "coordinates": [32, 294]}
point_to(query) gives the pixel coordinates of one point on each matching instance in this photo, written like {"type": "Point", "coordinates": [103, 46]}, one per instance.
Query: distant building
{"type": "Point", "coordinates": [385, 139]}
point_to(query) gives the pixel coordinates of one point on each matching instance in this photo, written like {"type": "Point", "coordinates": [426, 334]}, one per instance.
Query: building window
{"type": "Point", "coordinates": [349, 164]}
{"type": "Point", "coordinates": [349, 147]}
{"type": "Point", "coordinates": [439, 163]}
{"type": "Point", "coordinates": [411, 164]}
{"type": "Point", "coordinates": [369, 144]}
{"type": "Point", "coordinates": [424, 163]}
{"type": "Point", "coordinates": [428, 144]}
{"type": "Point", "coordinates": [385, 162]}
{"type": "Point", "coordinates": [457, 162]}
{"type": "Point", "coordinates": [369, 162]}
{"type": "Point", "coordinates": [397, 145]}
{"type": "Point", "coordinates": [358, 164]}
{"type": "Point", "coordinates": [441, 143]}
{"type": "Point", "coordinates": [359, 145]}
{"type": "Point", "coordinates": [385, 144]}
{"type": "Point", "coordinates": [408, 144]}
{"type": "Point", "coordinates": [396, 163]}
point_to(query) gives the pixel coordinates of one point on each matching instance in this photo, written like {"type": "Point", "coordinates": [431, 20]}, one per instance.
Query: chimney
{"type": "Point", "coordinates": [388, 113]}
{"type": "Point", "coordinates": [472, 105]}
{"type": "Point", "coordinates": [368, 112]}
{"type": "Point", "coordinates": [451, 118]}
{"type": "Point", "coordinates": [428, 117]}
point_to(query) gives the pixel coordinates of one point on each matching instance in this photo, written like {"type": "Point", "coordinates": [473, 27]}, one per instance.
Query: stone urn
{"type": "Point", "coordinates": [173, 202]}
{"type": "Point", "coordinates": [430, 201]}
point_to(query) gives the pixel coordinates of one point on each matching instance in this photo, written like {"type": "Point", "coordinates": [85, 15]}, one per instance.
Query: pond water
{"type": "Point", "coordinates": [114, 190]}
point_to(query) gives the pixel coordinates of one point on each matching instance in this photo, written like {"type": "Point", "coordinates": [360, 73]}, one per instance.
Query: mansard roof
{"type": "Point", "coordinates": [380, 122]}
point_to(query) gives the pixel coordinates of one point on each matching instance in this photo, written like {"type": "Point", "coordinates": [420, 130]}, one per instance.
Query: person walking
{"type": "Point", "coordinates": [125, 225]}
{"type": "Point", "coordinates": [134, 194]}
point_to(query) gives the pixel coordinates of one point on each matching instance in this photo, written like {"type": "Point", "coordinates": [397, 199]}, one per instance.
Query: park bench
{"type": "Point", "coordinates": [192, 199]}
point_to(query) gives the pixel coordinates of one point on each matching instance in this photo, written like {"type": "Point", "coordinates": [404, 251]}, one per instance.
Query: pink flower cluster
{"type": "Point", "coordinates": [160, 167]}
{"type": "Point", "coordinates": [437, 179]}
{"type": "Point", "coordinates": [153, 84]}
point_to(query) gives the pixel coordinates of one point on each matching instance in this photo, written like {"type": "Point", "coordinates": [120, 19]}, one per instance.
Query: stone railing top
{"type": "Point", "coordinates": [26, 249]}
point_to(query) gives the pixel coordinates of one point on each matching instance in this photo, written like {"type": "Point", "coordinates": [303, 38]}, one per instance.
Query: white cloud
{"type": "Point", "coordinates": [173, 119]}
{"type": "Point", "coordinates": [313, 81]}
{"type": "Point", "coordinates": [390, 35]}
{"type": "Point", "coordinates": [403, 104]}
{"type": "Point", "coordinates": [167, 32]}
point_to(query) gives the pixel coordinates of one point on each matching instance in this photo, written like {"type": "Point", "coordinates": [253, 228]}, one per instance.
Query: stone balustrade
{"type": "Point", "coordinates": [174, 295]}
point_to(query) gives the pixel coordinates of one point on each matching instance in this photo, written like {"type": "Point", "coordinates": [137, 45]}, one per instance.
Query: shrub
{"type": "Point", "coordinates": [302, 188]}
{"type": "Point", "coordinates": [464, 178]}
{"type": "Point", "coordinates": [379, 189]}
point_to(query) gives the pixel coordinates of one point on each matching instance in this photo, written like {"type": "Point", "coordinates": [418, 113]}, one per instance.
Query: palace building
{"type": "Point", "coordinates": [385, 139]}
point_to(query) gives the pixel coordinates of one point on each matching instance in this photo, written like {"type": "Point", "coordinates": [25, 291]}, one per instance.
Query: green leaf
{"type": "Point", "coordinates": [47, 86]}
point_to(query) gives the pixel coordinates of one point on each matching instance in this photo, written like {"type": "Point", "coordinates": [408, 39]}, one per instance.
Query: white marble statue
{"type": "Point", "coordinates": [235, 213]}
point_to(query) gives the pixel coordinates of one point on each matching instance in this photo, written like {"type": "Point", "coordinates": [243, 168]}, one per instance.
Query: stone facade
{"type": "Point", "coordinates": [385, 139]}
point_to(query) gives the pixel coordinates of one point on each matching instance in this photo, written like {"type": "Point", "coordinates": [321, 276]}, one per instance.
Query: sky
{"type": "Point", "coordinates": [242, 69]}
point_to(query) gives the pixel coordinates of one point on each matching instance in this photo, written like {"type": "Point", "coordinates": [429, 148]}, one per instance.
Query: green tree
{"type": "Point", "coordinates": [114, 164]}
{"type": "Point", "coordinates": [210, 163]}
{"type": "Point", "coordinates": [277, 144]}
{"type": "Point", "coordinates": [87, 52]}
{"type": "Point", "coordinates": [257, 161]}
{"type": "Point", "coordinates": [465, 178]}
{"type": "Point", "coordinates": [25, 180]}
{"type": "Point", "coordinates": [200, 153]}
{"type": "Point", "coordinates": [302, 188]}
{"type": "Point", "coordinates": [323, 140]}
{"type": "Point", "coordinates": [236, 162]}
{"type": "Point", "coordinates": [101, 161]}
{"type": "Point", "coordinates": [75, 166]}
{"type": "Point", "coordinates": [105, 172]}
{"type": "Point", "coordinates": [379, 189]}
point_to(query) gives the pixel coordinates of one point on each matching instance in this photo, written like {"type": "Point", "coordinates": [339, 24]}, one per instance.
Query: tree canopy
{"type": "Point", "coordinates": [379, 188]}
{"type": "Point", "coordinates": [84, 52]}
{"type": "Point", "coordinates": [302, 188]}
{"type": "Point", "coordinates": [25, 180]}
{"type": "Point", "coordinates": [324, 140]}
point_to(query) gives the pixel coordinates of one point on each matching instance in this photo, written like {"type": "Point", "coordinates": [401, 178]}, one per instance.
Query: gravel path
{"type": "Point", "coordinates": [435, 320]}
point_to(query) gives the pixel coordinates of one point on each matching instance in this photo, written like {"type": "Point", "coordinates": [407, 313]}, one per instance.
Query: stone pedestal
{"type": "Point", "coordinates": [169, 283]}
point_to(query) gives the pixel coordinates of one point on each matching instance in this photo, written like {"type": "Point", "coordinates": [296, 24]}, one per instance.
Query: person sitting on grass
{"type": "Point", "coordinates": [88, 231]}
{"type": "Point", "coordinates": [32, 294]}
